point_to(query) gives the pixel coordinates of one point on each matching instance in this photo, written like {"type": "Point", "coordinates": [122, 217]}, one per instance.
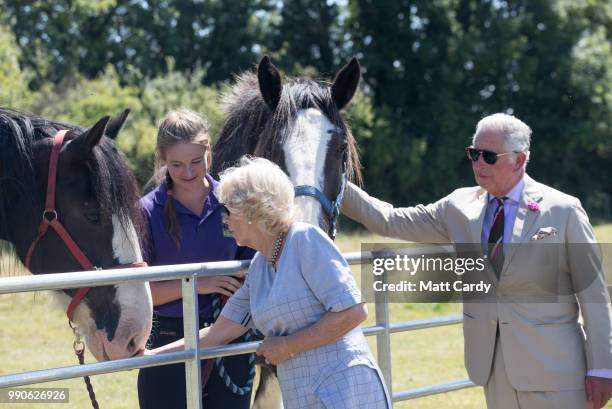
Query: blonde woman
{"type": "Point", "coordinates": [186, 226]}
{"type": "Point", "coordinates": [299, 293]}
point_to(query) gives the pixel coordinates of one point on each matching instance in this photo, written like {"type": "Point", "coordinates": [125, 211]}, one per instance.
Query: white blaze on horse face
{"type": "Point", "coordinates": [125, 243]}
{"type": "Point", "coordinates": [305, 152]}
{"type": "Point", "coordinates": [134, 298]}
{"type": "Point", "coordinates": [135, 322]}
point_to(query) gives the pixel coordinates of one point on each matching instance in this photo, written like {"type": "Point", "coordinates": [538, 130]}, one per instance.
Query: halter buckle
{"type": "Point", "coordinates": [78, 346]}
{"type": "Point", "coordinates": [49, 215]}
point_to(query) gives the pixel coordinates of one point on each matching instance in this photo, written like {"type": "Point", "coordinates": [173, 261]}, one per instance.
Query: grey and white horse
{"type": "Point", "coordinates": [296, 123]}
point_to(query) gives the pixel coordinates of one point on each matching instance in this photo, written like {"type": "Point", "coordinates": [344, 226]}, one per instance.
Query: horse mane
{"type": "Point", "coordinates": [113, 184]}
{"type": "Point", "coordinates": [252, 127]}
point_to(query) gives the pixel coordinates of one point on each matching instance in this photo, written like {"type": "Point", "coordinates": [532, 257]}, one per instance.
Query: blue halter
{"type": "Point", "coordinates": [331, 207]}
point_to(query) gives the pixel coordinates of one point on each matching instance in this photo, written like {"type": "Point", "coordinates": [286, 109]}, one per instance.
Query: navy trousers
{"type": "Point", "coordinates": [163, 387]}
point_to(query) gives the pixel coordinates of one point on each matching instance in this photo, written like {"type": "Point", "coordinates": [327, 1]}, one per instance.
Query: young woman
{"type": "Point", "coordinates": [186, 226]}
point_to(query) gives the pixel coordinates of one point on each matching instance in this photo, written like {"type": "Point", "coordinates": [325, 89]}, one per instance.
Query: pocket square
{"type": "Point", "coordinates": [544, 232]}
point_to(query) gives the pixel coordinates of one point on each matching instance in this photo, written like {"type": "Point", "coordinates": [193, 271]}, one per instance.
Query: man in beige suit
{"type": "Point", "coordinates": [527, 352]}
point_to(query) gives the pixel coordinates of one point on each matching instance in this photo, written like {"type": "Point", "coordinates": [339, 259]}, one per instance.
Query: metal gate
{"type": "Point", "coordinates": [191, 356]}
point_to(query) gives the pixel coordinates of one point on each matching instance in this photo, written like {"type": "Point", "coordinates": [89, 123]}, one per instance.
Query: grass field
{"type": "Point", "coordinates": [34, 335]}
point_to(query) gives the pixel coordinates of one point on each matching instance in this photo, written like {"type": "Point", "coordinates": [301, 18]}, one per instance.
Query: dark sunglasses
{"type": "Point", "coordinates": [225, 210]}
{"type": "Point", "coordinates": [489, 157]}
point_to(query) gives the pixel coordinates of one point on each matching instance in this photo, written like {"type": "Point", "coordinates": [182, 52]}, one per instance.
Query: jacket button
{"type": "Point", "coordinates": [493, 322]}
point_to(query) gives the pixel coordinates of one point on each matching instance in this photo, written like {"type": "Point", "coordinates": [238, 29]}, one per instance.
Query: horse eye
{"type": "Point", "coordinates": [342, 148]}
{"type": "Point", "coordinates": [92, 215]}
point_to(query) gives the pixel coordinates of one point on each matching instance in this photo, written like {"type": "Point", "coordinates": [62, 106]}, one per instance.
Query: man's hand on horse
{"type": "Point", "coordinates": [275, 350]}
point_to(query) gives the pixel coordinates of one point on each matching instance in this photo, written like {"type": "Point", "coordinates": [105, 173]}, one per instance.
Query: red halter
{"type": "Point", "coordinates": [50, 219]}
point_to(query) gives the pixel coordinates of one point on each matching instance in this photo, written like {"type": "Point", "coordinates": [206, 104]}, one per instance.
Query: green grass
{"type": "Point", "coordinates": [34, 334]}
{"type": "Point", "coordinates": [604, 233]}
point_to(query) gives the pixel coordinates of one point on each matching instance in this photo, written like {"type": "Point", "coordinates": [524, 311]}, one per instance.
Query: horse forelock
{"type": "Point", "coordinates": [115, 186]}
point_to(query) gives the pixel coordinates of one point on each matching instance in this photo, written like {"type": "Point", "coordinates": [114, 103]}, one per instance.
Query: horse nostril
{"type": "Point", "coordinates": [132, 344]}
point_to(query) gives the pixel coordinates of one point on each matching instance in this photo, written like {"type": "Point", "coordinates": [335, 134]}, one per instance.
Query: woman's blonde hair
{"type": "Point", "coordinates": [180, 126]}
{"type": "Point", "coordinates": [260, 191]}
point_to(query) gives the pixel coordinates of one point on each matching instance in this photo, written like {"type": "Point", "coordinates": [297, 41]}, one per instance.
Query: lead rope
{"type": "Point", "coordinates": [79, 349]}
{"type": "Point", "coordinates": [238, 390]}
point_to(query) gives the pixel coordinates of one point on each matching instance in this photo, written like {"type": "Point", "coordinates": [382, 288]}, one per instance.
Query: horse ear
{"type": "Point", "coordinates": [84, 143]}
{"type": "Point", "coordinates": [345, 84]}
{"type": "Point", "coordinates": [115, 124]}
{"type": "Point", "coordinates": [270, 84]}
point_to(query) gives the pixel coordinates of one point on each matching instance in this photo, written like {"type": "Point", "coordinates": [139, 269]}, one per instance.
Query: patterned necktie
{"type": "Point", "coordinates": [496, 238]}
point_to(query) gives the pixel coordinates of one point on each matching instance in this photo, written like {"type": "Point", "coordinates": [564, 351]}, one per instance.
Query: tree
{"type": "Point", "coordinates": [435, 68]}
{"type": "Point", "coordinates": [410, 59]}
{"type": "Point", "coordinates": [61, 38]}
{"type": "Point", "coordinates": [14, 92]}
{"type": "Point", "coordinates": [306, 34]}
{"type": "Point", "coordinates": [65, 37]}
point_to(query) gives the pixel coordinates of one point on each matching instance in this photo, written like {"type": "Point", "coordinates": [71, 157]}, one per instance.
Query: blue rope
{"type": "Point", "coordinates": [238, 390]}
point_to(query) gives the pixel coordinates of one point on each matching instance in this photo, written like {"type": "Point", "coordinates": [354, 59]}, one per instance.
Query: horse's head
{"type": "Point", "coordinates": [95, 197]}
{"type": "Point", "coordinates": [298, 125]}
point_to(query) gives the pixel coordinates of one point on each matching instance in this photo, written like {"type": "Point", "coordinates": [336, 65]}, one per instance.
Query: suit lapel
{"type": "Point", "coordinates": [525, 218]}
{"type": "Point", "coordinates": [475, 214]}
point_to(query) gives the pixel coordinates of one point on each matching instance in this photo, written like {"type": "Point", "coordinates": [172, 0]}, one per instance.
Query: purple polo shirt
{"type": "Point", "coordinates": [202, 240]}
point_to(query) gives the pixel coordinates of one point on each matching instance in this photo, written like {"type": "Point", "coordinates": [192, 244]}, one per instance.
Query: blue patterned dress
{"type": "Point", "coordinates": [312, 279]}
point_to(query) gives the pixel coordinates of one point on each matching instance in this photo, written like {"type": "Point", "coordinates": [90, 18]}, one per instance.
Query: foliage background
{"type": "Point", "coordinates": [431, 70]}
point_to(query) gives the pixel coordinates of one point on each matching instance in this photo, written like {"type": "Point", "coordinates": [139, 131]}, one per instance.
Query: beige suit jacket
{"type": "Point", "coordinates": [546, 347]}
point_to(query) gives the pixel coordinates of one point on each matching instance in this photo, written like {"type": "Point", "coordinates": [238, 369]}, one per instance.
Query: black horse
{"type": "Point", "coordinates": [297, 124]}
{"type": "Point", "coordinates": [95, 198]}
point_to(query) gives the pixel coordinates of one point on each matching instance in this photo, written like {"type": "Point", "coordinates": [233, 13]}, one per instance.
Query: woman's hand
{"type": "Point", "coordinates": [226, 285]}
{"type": "Point", "coordinates": [275, 350]}
{"type": "Point", "coordinates": [331, 327]}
